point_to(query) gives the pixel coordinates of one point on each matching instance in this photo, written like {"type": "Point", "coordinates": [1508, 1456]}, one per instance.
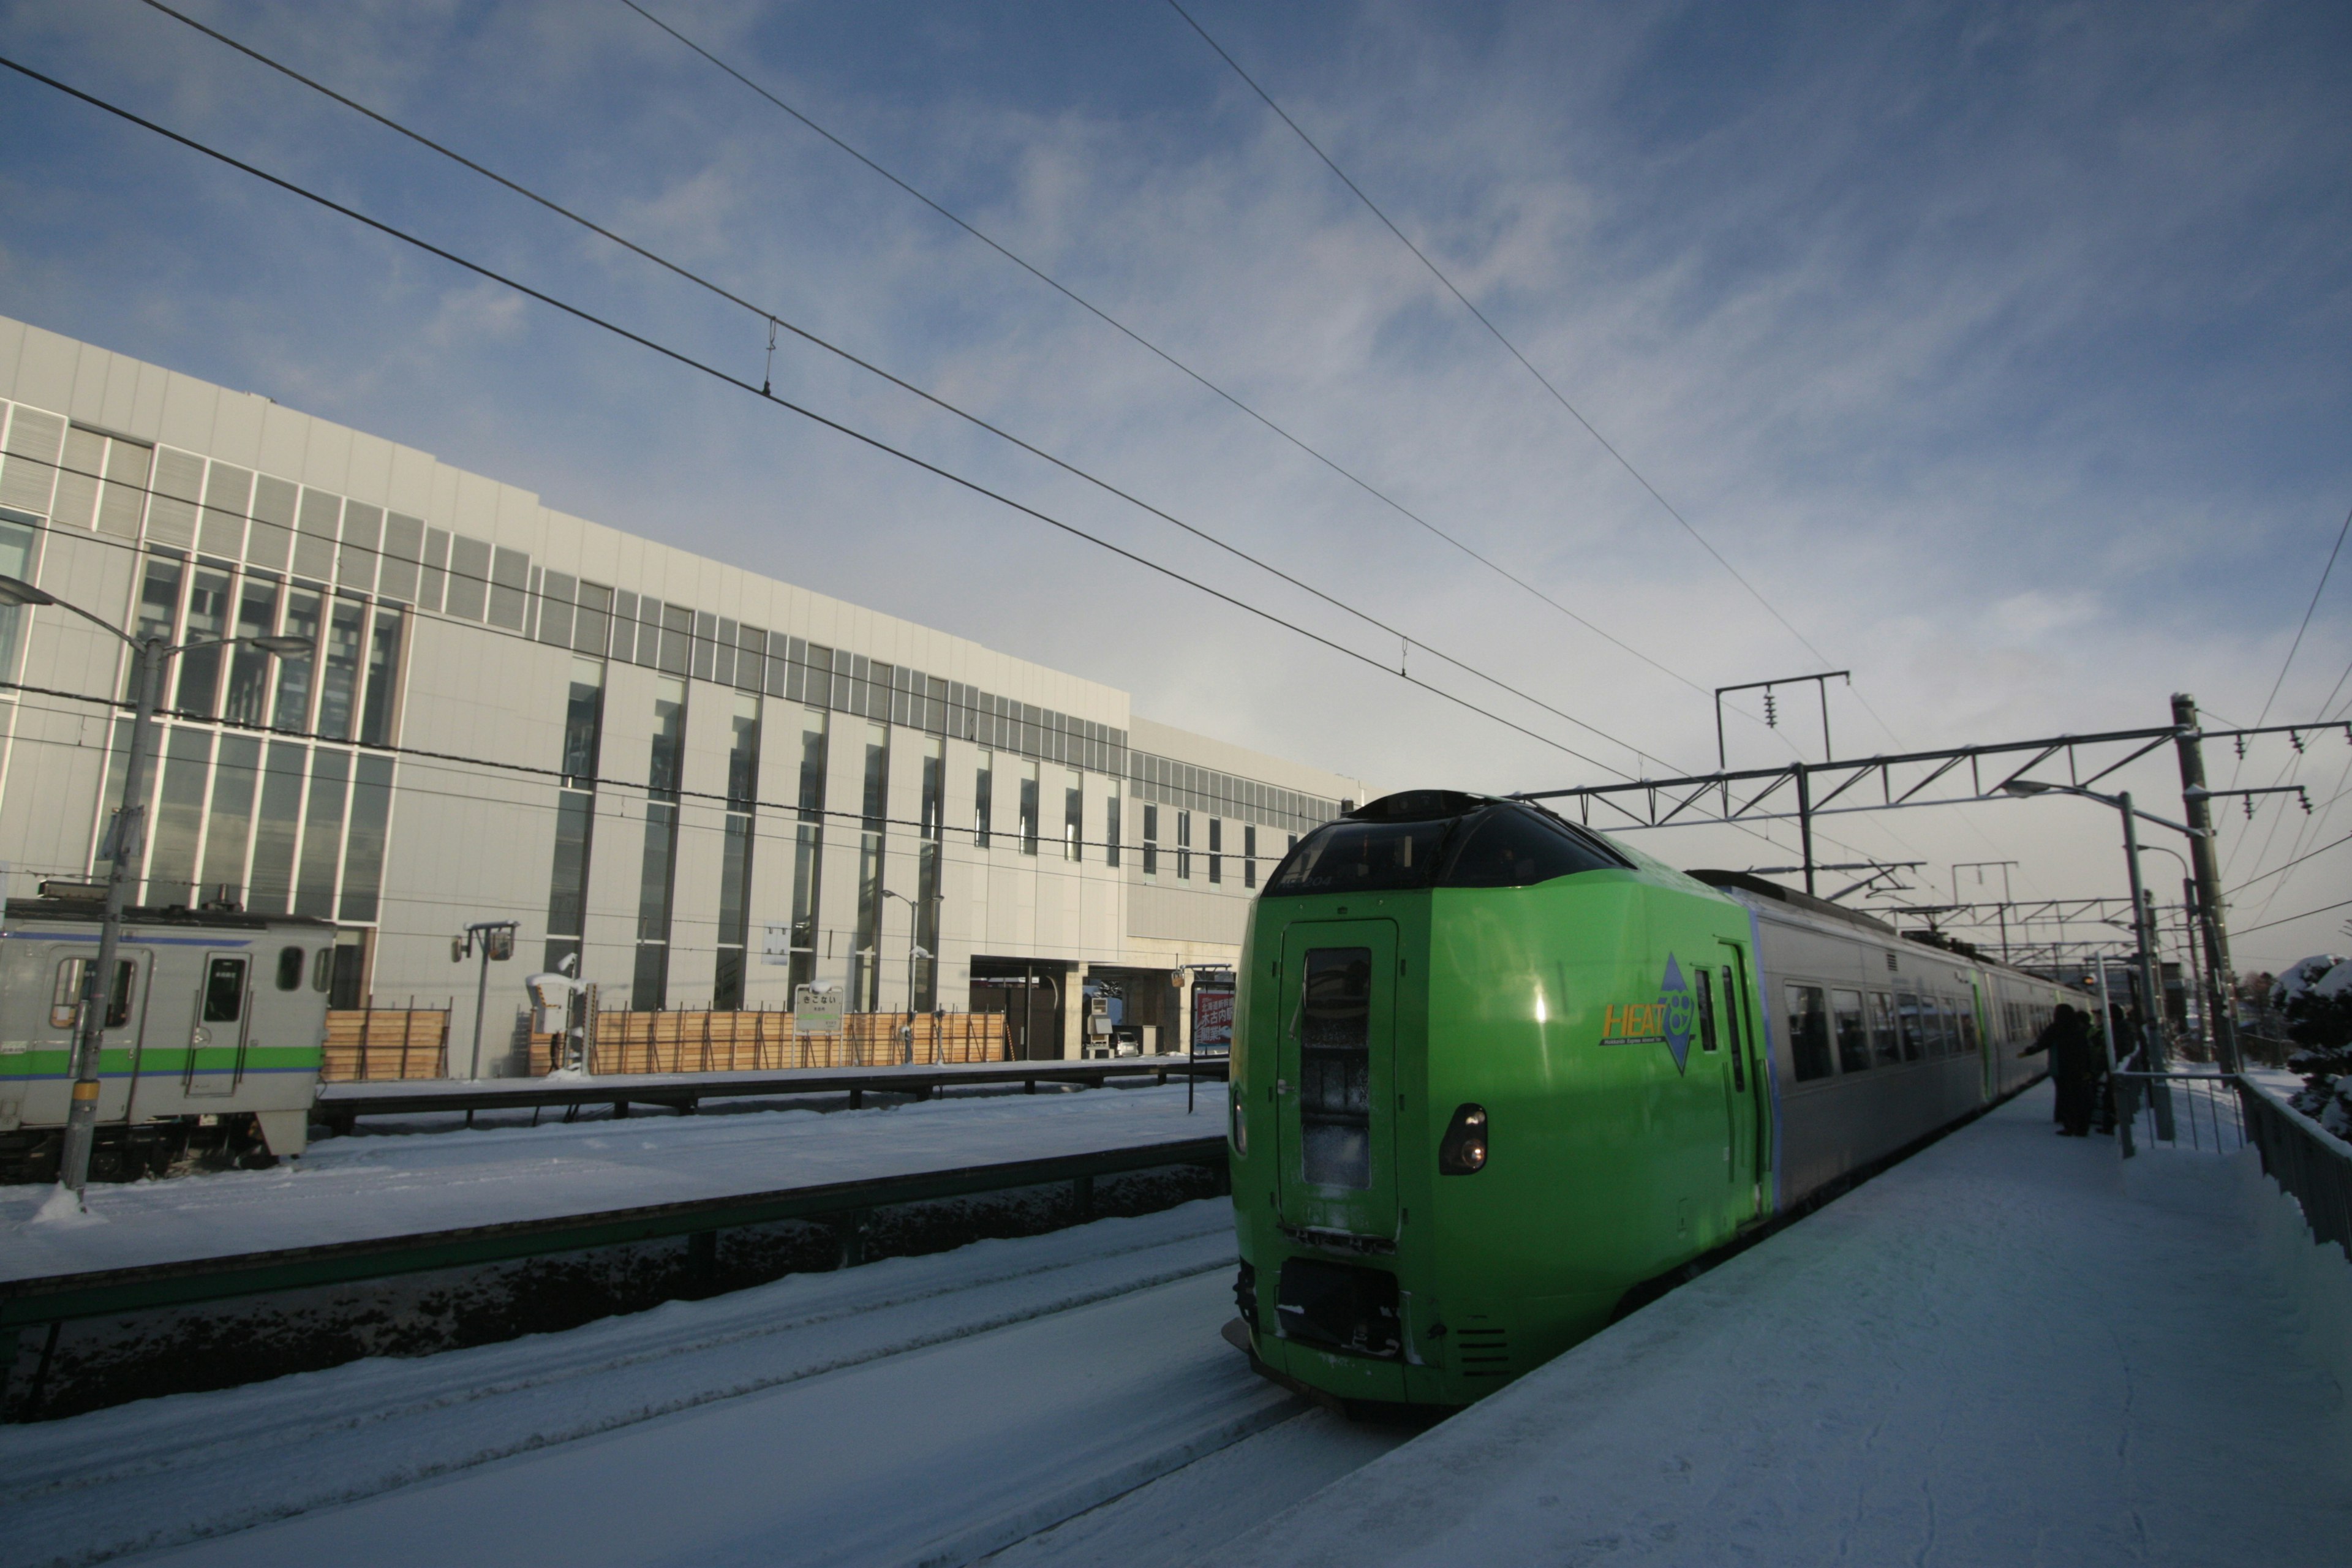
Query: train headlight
{"type": "Point", "coordinates": [1463, 1152]}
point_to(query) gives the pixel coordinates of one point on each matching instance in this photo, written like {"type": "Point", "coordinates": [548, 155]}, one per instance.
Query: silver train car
{"type": "Point", "coordinates": [215, 1027]}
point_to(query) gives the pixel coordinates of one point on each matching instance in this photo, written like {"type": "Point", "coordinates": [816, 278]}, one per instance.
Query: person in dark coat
{"type": "Point", "coordinates": [2073, 1067]}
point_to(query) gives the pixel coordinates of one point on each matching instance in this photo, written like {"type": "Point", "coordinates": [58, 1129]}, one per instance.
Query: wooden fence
{"type": "Point", "coordinates": [764, 1042]}
{"type": "Point", "coordinates": [365, 1045]}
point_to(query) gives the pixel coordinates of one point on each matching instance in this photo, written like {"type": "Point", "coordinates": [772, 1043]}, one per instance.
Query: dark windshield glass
{"type": "Point", "coordinates": [1511, 847]}
{"type": "Point", "coordinates": [1348, 857]}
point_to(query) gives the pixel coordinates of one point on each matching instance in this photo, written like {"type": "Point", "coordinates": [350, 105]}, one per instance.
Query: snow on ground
{"type": "Point", "coordinates": [357, 1188]}
{"type": "Point", "coordinates": [1090, 1352]}
{"type": "Point", "coordinates": [2011, 1349]}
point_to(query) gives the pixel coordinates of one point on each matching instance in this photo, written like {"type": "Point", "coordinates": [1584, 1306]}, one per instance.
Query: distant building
{"type": "Point", "coordinates": [699, 781]}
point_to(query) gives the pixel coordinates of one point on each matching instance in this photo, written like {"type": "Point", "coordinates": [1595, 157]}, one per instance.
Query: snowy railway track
{"type": "Point", "coordinates": [932, 1409]}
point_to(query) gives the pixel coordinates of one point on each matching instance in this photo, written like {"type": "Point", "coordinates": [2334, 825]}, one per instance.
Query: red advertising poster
{"type": "Point", "coordinates": [1213, 1021]}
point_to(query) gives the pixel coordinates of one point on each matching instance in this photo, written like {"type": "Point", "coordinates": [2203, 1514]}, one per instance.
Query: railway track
{"type": "Point", "coordinates": [931, 1409]}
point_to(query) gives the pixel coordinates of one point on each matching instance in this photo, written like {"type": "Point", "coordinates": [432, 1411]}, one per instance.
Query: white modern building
{"type": "Point", "coordinates": [708, 785]}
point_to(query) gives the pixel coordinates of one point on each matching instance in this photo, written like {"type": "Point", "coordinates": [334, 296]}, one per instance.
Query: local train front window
{"type": "Point", "coordinates": [1335, 1067]}
{"type": "Point", "coordinates": [224, 990]}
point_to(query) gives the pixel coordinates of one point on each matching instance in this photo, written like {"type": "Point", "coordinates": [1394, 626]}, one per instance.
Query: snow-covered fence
{"type": "Point", "coordinates": [2306, 1159]}
{"type": "Point", "coordinates": [2198, 1109]}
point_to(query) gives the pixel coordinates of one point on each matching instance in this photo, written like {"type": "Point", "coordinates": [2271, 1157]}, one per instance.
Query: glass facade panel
{"type": "Point", "coordinates": [293, 712]}
{"type": "Point", "coordinates": [228, 825]}
{"type": "Point", "coordinates": [364, 851]}
{"type": "Point", "coordinates": [339, 678]}
{"type": "Point", "coordinates": [1028, 807]}
{"type": "Point", "coordinates": [200, 668]}
{"type": "Point", "coordinates": [808, 847]}
{"type": "Point", "coordinates": [249, 667]}
{"type": "Point", "coordinates": [322, 835]}
{"type": "Point", "coordinates": [18, 537]}
{"type": "Point", "coordinates": [179, 817]}
{"type": "Point", "coordinates": [983, 792]}
{"type": "Point", "coordinates": [382, 671]}
{"type": "Point", "coordinates": [657, 868]}
{"type": "Point", "coordinates": [1074, 815]}
{"type": "Point", "coordinates": [276, 829]}
{"type": "Point", "coordinates": [1111, 828]}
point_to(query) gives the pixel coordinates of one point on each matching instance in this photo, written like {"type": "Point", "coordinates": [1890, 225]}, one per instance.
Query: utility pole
{"type": "Point", "coordinates": [2206, 875]}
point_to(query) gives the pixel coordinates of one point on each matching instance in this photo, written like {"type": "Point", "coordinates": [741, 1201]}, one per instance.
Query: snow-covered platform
{"type": "Point", "coordinates": [2012, 1348]}
{"type": "Point", "coordinates": [349, 1190]}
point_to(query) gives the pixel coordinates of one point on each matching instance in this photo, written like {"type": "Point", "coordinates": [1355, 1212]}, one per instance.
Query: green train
{"type": "Point", "coordinates": [1495, 1076]}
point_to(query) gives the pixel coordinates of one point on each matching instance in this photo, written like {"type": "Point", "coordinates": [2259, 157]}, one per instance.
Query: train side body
{"type": "Point", "coordinates": [1625, 1032]}
{"type": "Point", "coordinates": [210, 1014]}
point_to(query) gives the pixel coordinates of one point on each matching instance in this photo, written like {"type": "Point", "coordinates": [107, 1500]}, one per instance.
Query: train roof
{"type": "Point", "coordinates": [82, 911]}
{"type": "Point", "coordinates": [1747, 882]}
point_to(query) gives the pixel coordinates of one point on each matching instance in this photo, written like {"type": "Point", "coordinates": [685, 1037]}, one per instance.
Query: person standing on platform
{"type": "Point", "coordinates": [2073, 1067]}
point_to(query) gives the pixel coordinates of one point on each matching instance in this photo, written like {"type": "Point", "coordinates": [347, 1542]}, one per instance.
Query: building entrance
{"type": "Point", "coordinates": [1031, 994]}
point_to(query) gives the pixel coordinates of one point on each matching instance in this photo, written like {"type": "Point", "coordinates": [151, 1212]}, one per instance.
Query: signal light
{"type": "Point", "coordinates": [1463, 1150]}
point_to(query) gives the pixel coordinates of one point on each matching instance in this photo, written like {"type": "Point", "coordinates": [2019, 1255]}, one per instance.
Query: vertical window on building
{"type": "Point", "coordinates": [866, 952]}
{"type": "Point", "coordinates": [983, 791]}
{"type": "Point", "coordinates": [228, 825]}
{"type": "Point", "coordinates": [1111, 828]}
{"type": "Point", "coordinates": [364, 846]}
{"type": "Point", "coordinates": [209, 613]}
{"type": "Point", "coordinates": [1028, 807]}
{"type": "Point", "coordinates": [1249, 854]}
{"type": "Point", "coordinates": [735, 852]}
{"type": "Point", "coordinates": [275, 828]}
{"type": "Point", "coordinates": [927, 876]}
{"type": "Point", "coordinates": [249, 667]}
{"type": "Point", "coordinates": [575, 812]}
{"type": "Point", "coordinates": [383, 669]}
{"type": "Point", "coordinates": [179, 817]}
{"type": "Point", "coordinates": [1150, 841]}
{"type": "Point", "coordinates": [1216, 849]}
{"type": "Point", "coordinates": [340, 671]}
{"type": "Point", "coordinates": [322, 835]}
{"type": "Point", "coordinates": [649, 990]}
{"type": "Point", "coordinates": [18, 537]}
{"type": "Point", "coordinates": [159, 600]}
{"type": "Point", "coordinates": [808, 847]}
{"type": "Point", "coordinates": [294, 671]}
{"type": "Point", "coordinates": [1184, 846]}
{"type": "Point", "coordinates": [1074, 815]}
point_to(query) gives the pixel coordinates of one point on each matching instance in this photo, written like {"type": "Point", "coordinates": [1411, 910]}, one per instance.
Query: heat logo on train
{"type": "Point", "coordinates": [1494, 1074]}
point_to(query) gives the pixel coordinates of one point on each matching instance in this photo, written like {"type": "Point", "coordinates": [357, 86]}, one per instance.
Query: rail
{"type": "Point", "coordinates": [62, 1297]}
{"type": "Point", "coordinates": [2200, 1111]}
{"type": "Point", "coordinates": [2312, 1165]}
{"type": "Point", "coordinates": [342, 1104]}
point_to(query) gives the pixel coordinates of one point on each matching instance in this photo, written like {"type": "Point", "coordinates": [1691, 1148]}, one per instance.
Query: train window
{"type": "Point", "coordinates": [1705, 1011]}
{"type": "Point", "coordinates": [1967, 1030]}
{"type": "Point", "coordinates": [289, 969]}
{"type": "Point", "coordinates": [1852, 1036]}
{"type": "Point", "coordinates": [1511, 847]}
{"type": "Point", "coordinates": [224, 991]}
{"type": "Point", "coordinates": [1946, 1026]}
{"type": "Point", "coordinates": [65, 998]}
{"type": "Point", "coordinates": [1335, 1067]}
{"type": "Point", "coordinates": [1885, 1045]}
{"type": "Point", "coordinates": [1906, 1014]}
{"type": "Point", "coordinates": [1809, 1032]}
{"type": "Point", "coordinates": [1350, 856]}
{"type": "Point", "coordinates": [323, 969]}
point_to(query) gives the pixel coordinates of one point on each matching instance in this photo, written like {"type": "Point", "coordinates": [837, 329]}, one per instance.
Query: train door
{"type": "Point", "coordinates": [1751, 1123]}
{"type": "Point", "coordinates": [217, 1038]}
{"type": "Point", "coordinates": [1335, 1078]}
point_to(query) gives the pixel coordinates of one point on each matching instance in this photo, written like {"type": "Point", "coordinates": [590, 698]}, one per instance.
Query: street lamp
{"type": "Point", "coordinates": [914, 951]}
{"type": "Point", "coordinates": [148, 658]}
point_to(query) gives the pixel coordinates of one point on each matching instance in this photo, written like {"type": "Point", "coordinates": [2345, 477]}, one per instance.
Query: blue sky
{"type": "Point", "coordinates": [2003, 348]}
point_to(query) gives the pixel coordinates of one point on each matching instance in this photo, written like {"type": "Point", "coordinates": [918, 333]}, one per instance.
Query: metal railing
{"type": "Point", "coordinates": [2199, 1111]}
{"type": "Point", "coordinates": [2311, 1164]}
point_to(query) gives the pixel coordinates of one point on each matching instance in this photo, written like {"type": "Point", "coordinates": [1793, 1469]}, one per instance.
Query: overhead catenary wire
{"type": "Point", "coordinates": [1513, 349]}
{"type": "Point", "coordinates": [1153, 348]}
{"type": "Point", "coordinates": [775, 320]}
{"type": "Point", "coordinates": [688, 361]}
